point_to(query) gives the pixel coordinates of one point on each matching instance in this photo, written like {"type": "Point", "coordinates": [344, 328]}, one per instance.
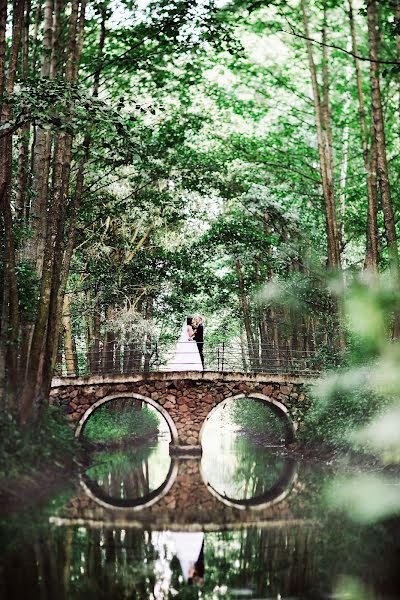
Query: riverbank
{"type": "Point", "coordinates": [345, 459]}
{"type": "Point", "coordinates": [36, 460]}
{"type": "Point", "coordinates": [29, 490]}
{"type": "Point", "coordinates": [120, 443]}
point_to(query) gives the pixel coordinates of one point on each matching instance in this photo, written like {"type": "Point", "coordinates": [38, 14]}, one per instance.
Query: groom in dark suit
{"type": "Point", "coordinates": [199, 337]}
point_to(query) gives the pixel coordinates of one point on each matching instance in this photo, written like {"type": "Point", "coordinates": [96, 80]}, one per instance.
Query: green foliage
{"type": "Point", "coordinates": [349, 404]}
{"type": "Point", "coordinates": [255, 418]}
{"type": "Point", "coordinates": [337, 411]}
{"type": "Point", "coordinates": [111, 422]}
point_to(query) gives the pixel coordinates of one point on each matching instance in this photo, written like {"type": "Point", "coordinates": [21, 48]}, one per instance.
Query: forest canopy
{"type": "Point", "coordinates": [159, 159]}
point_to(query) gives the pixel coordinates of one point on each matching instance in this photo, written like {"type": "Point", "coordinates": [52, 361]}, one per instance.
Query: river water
{"type": "Point", "coordinates": [245, 521]}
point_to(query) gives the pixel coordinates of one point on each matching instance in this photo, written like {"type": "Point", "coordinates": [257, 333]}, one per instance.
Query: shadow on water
{"type": "Point", "coordinates": [246, 521]}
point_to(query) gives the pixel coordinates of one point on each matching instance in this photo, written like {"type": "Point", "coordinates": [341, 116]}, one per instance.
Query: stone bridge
{"type": "Point", "coordinates": [185, 399]}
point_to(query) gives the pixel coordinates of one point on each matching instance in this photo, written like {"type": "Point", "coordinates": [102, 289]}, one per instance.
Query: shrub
{"type": "Point", "coordinates": [255, 418]}
{"type": "Point", "coordinates": [336, 412]}
{"type": "Point", "coordinates": [30, 448]}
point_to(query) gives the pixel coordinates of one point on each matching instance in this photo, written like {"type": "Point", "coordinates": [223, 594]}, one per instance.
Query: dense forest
{"type": "Point", "coordinates": [159, 158]}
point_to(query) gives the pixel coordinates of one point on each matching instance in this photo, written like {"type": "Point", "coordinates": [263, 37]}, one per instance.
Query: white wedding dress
{"type": "Point", "coordinates": [187, 547]}
{"type": "Point", "coordinates": [187, 357]}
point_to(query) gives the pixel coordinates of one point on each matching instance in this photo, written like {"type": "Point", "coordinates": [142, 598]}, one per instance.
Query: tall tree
{"type": "Point", "coordinates": [10, 314]}
{"type": "Point", "coordinates": [380, 138]}
{"type": "Point", "coordinates": [369, 157]}
{"type": "Point", "coordinates": [323, 124]}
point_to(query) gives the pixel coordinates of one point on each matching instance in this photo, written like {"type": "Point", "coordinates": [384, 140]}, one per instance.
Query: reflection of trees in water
{"type": "Point", "coordinates": [79, 563]}
{"type": "Point", "coordinates": [84, 564]}
{"type": "Point", "coordinates": [243, 469]}
{"type": "Point", "coordinates": [72, 564]}
{"type": "Point", "coordinates": [76, 563]}
{"type": "Point", "coordinates": [266, 561]}
{"type": "Point", "coordinates": [369, 553]}
{"type": "Point", "coordinates": [123, 474]}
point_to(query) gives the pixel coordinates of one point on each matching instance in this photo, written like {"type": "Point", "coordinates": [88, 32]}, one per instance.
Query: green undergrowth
{"type": "Point", "coordinates": [337, 412]}
{"type": "Point", "coordinates": [110, 423]}
{"type": "Point", "coordinates": [357, 407]}
{"type": "Point", "coordinates": [30, 450]}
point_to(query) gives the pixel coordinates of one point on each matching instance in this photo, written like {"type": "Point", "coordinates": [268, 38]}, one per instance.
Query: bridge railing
{"type": "Point", "coordinates": [225, 356]}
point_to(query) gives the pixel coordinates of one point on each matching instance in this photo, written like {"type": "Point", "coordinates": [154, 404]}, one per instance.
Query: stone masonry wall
{"type": "Point", "coordinates": [187, 399]}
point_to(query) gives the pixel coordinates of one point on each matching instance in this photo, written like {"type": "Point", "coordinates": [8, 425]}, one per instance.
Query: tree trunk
{"type": "Point", "coordinates": [372, 249]}
{"type": "Point", "coordinates": [77, 199]}
{"type": "Point", "coordinates": [24, 134]}
{"type": "Point", "coordinates": [3, 45]}
{"type": "Point", "coordinates": [46, 331]}
{"type": "Point", "coordinates": [34, 378]}
{"type": "Point", "coordinates": [322, 120]}
{"type": "Point", "coordinates": [148, 315]}
{"type": "Point", "coordinates": [10, 309]}
{"type": "Point", "coordinates": [343, 178]}
{"type": "Point", "coordinates": [251, 343]}
{"type": "Point", "coordinates": [243, 351]}
{"type": "Point", "coordinates": [96, 343]}
{"type": "Point", "coordinates": [275, 336]}
{"type": "Point", "coordinates": [372, 241]}
{"type": "Point", "coordinates": [41, 158]}
{"type": "Point", "coordinates": [68, 345]}
{"type": "Point", "coordinates": [262, 325]}
{"type": "Point", "coordinates": [109, 344]}
{"type": "Point", "coordinates": [38, 19]}
{"type": "Point", "coordinates": [397, 21]}
{"type": "Point", "coordinates": [377, 114]}
{"type": "Point", "coordinates": [55, 55]}
{"type": "Point", "coordinates": [327, 135]}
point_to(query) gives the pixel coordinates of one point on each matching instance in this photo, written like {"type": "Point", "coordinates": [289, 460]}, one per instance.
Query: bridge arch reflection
{"type": "Point", "coordinates": [195, 489]}
{"type": "Point", "coordinates": [94, 491]}
{"type": "Point", "coordinates": [275, 494]}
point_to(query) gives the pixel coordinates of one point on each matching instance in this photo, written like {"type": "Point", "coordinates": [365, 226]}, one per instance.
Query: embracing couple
{"type": "Point", "coordinates": [189, 349]}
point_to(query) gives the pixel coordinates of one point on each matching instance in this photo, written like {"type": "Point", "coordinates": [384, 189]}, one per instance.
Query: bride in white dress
{"type": "Point", "coordinates": [187, 357]}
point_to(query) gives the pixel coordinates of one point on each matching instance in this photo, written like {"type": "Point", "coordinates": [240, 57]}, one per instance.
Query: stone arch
{"type": "Point", "coordinates": [123, 395]}
{"type": "Point", "coordinates": [277, 407]}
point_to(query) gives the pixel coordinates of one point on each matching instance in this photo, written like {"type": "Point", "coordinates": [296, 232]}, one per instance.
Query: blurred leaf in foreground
{"type": "Point", "coordinates": [366, 498]}
{"type": "Point", "coordinates": [382, 435]}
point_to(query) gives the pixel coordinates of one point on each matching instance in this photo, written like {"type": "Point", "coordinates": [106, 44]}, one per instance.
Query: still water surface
{"type": "Point", "coordinates": [245, 522]}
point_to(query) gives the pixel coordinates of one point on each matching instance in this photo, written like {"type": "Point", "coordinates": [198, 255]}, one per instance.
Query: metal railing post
{"type": "Point", "coordinates": [223, 355]}
{"type": "Point", "coordinates": [157, 361]}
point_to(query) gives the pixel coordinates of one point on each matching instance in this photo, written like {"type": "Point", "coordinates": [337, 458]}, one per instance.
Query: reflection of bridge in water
{"type": "Point", "coordinates": [256, 535]}
{"type": "Point", "coordinates": [184, 501]}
